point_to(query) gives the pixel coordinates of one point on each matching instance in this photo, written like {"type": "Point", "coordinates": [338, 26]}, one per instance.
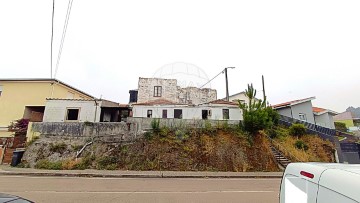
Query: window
{"type": "Point", "coordinates": [178, 113]}
{"type": "Point", "coordinates": [164, 113]}
{"type": "Point", "coordinates": [157, 91]}
{"type": "Point", "coordinates": [72, 114]}
{"type": "Point", "coordinates": [225, 114]}
{"type": "Point", "coordinates": [149, 113]}
{"type": "Point", "coordinates": [206, 114]}
{"type": "Point", "coordinates": [302, 117]}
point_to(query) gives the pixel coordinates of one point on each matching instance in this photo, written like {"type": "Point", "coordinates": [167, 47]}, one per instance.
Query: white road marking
{"type": "Point", "coordinates": [98, 178]}
{"type": "Point", "coordinates": [145, 192]}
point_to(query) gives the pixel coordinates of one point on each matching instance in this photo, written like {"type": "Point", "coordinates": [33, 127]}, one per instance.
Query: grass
{"type": "Point", "coordinates": [308, 148]}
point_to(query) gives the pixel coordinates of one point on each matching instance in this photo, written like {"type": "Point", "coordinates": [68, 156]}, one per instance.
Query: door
{"type": "Point", "coordinates": [205, 114]}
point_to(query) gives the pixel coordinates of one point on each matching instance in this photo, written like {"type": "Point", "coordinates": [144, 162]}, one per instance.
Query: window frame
{"type": "Point", "coordinates": [67, 114]}
{"type": "Point", "coordinates": [228, 114]}
{"type": "Point", "coordinates": [149, 113]}
{"type": "Point", "coordinates": [181, 115]}
{"type": "Point", "coordinates": [304, 116]}
{"type": "Point", "coordinates": [165, 111]}
{"type": "Point", "coordinates": [157, 91]}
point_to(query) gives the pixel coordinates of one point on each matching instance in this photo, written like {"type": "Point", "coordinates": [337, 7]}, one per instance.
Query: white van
{"type": "Point", "coordinates": [320, 183]}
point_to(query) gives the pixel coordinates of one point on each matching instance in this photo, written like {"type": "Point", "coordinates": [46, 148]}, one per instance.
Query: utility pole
{"type": "Point", "coordinates": [263, 84]}
{"type": "Point", "coordinates": [227, 83]}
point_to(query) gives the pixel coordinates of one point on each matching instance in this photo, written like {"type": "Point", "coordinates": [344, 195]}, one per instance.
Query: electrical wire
{"type": "Point", "coordinates": [212, 79]}
{"type": "Point", "coordinates": [52, 39]}
{"type": "Point", "coordinates": [63, 36]}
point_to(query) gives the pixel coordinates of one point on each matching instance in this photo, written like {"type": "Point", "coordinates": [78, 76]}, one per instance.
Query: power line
{"type": "Point", "coordinates": [52, 39]}
{"type": "Point", "coordinates": [63, 36]}
{"type": "Point", "coordinates": [212, 79]}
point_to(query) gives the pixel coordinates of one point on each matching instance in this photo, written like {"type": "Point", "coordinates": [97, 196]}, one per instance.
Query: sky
{"type": "Point", "coordinates": [303, 48]}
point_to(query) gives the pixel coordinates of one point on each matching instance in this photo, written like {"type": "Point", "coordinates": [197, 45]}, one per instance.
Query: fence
{"type": "Point", "coordinates": [324, 133]}
{"type": "Point", "coordinates": [312, 128]}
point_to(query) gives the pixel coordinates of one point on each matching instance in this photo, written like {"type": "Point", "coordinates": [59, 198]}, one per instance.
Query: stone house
{"type": "Point", "coordinates": [150, 89]}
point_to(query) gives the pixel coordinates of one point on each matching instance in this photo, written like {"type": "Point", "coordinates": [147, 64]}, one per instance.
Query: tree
{"type": "Point", "coordinates": [19, 127]}
{"type": "Point", "coordinates": [256, 115]}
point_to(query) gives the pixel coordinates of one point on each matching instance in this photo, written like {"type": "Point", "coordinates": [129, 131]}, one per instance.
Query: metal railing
{"type": "Point", "coordinates": [312, 128]}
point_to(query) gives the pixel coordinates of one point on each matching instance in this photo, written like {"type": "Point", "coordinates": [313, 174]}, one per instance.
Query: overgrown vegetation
{"type": "Point", "coordinates": [257, 115]}
{"type": "Point", "coordinates": [305, 148]}
{"type": "Point", "coordinates": [297, 129]}
{"type": "Point", "coordinates": [218, 147]}
{"type": "Point", "coordinates": [340, 126]}
{"type": "Point", "coordinates": [58, 147]}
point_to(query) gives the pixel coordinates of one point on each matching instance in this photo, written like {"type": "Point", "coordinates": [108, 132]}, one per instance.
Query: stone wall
{"type": "Point", "coordinates": [172, 92]}
{"type": "Point", "coordinates": [120, 131]}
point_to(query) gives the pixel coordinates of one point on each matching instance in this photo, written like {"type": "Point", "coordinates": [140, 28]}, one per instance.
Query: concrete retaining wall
{"type": "Point", "coordinates": [121, 130]}
{"type": "Point", "coordinates": [145, 123]}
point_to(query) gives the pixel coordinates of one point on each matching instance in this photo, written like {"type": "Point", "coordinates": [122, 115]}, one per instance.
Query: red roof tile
{"type": "Point", "coordinates": [220, 101]}
{"type": "Point", "coordinates": [318, 110]}
{"type": "Point", "coordinates": [157, 102]}
{"type": "Point", "coordinates": [292, 102]}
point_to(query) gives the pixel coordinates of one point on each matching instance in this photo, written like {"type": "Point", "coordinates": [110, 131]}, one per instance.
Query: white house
{"type": "Point", "coordinates": [303, 110]}
{"type": "Point", "coordinates": [215, 110]}
{"type": "Point", "coordinates": [324, 117]}
{"type": "Point", "coordinates": [82, 110]}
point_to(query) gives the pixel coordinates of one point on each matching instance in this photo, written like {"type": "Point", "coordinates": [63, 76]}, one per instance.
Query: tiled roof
{"type": "Point", "coordinates": [158, 102]}
{"type": "Point", "coordinates": [290, 103]}
{"type": "Point", "coordinates": [220, 101]}
{"type": "Point", "coordinates": [318, 110]}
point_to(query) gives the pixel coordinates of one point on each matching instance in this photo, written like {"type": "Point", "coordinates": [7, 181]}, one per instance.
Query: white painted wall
{"type": "Point", "coordinates": [295, 110]}
{"type": "Point", "coordinates": [188, 112]}
{"type": "Point", "coordinates": [55, 110]}
{"type": "Point", "coordinates": [325, 120]}
{"type": "Point", "coordinates": [237, 97]}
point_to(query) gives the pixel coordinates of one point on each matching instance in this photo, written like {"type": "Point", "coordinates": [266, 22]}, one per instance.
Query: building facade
{"type": "Point", "coordinates": [150, 89]}
{"type": "Point", "coordinates": [215, 110]}
{"type": "Point", "coordinates": [26, 98]}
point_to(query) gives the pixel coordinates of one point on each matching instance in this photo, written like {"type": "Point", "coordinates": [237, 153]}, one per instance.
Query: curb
{"type": "Point", "coordinates": [161, 175]}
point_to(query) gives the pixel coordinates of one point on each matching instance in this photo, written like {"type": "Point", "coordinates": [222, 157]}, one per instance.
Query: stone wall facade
{"type": "Point", "coordinates": [172, 92]}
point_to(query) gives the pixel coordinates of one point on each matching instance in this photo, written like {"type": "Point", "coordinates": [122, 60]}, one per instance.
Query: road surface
{"type": "Point", "coordinates": [75, 189]}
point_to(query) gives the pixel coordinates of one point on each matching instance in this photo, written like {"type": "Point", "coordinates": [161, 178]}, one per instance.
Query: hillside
{"type": "Point", "coordinates": [178, 149]}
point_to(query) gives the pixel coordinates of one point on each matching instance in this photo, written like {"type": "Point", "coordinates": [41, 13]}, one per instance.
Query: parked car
{"type": "Point", "coordinates": [5, 198]}
{"type": "Point", "coordinates": [320, 183]}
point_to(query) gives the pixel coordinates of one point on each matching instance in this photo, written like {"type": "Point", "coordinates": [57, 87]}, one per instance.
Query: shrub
{"type": "Point", "coordinates": [46, 164]}
{"type": "Point", "coordinates": [106, 162]}
{"type": "Point", "coordinates": [76, 147]}
{"type": "Point", "coordinates": [301, 145]}
{"type": "Point", "coordinates": [297, 129]}
{"type": "Point", "coordinates": [58, 147]}
{"type": "Point", "coordinates": [340, 127]}
{"type": "Point", "coordinates": [155, 125]}
{"type": "Point", "coordinates": [181, 135]}
{"type": "Point", "coordinates": [207, 126]}
{"type": "Point", "coordinates": [148, 135]}
{"type": "Point", "coordinates": [164, 131]}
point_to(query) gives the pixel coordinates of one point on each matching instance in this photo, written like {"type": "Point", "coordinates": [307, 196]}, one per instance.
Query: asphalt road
{"type": "Point", "coordinates": [65, 189]}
